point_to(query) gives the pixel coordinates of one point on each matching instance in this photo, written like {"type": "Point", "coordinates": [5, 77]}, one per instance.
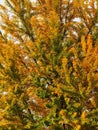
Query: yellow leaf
{"type": "Point", "coordinates": [78, 127]}
{"type": "Point", "coordinates": [83, 43]}
{"type": "Point", "coordinates": [83, 115]}
{"type": "Point", "coordinates": [63, 114]}
{"type": "Point", "coordinates": [89, 44]}
{"type": "Point", "coordinates": [74, 114]}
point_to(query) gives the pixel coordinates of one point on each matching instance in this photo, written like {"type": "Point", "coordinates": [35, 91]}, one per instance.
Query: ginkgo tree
{"type": "Point", "coordinates": [49, 65]}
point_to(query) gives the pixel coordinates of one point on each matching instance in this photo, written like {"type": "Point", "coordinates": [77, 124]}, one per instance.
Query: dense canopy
{"type": "Point", "coordinates": [49, 65]}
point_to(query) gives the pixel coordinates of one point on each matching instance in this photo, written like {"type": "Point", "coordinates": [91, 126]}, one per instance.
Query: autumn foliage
{"type": "Point", "coordinates": [49, 65]}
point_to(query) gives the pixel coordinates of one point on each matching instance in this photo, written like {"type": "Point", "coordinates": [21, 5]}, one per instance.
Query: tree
{"type": "Point", "coordinates": [49, 65]}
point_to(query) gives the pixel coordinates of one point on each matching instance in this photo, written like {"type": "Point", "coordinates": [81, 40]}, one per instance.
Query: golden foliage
{"type": "Point", "coordinates": [49, 65]}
